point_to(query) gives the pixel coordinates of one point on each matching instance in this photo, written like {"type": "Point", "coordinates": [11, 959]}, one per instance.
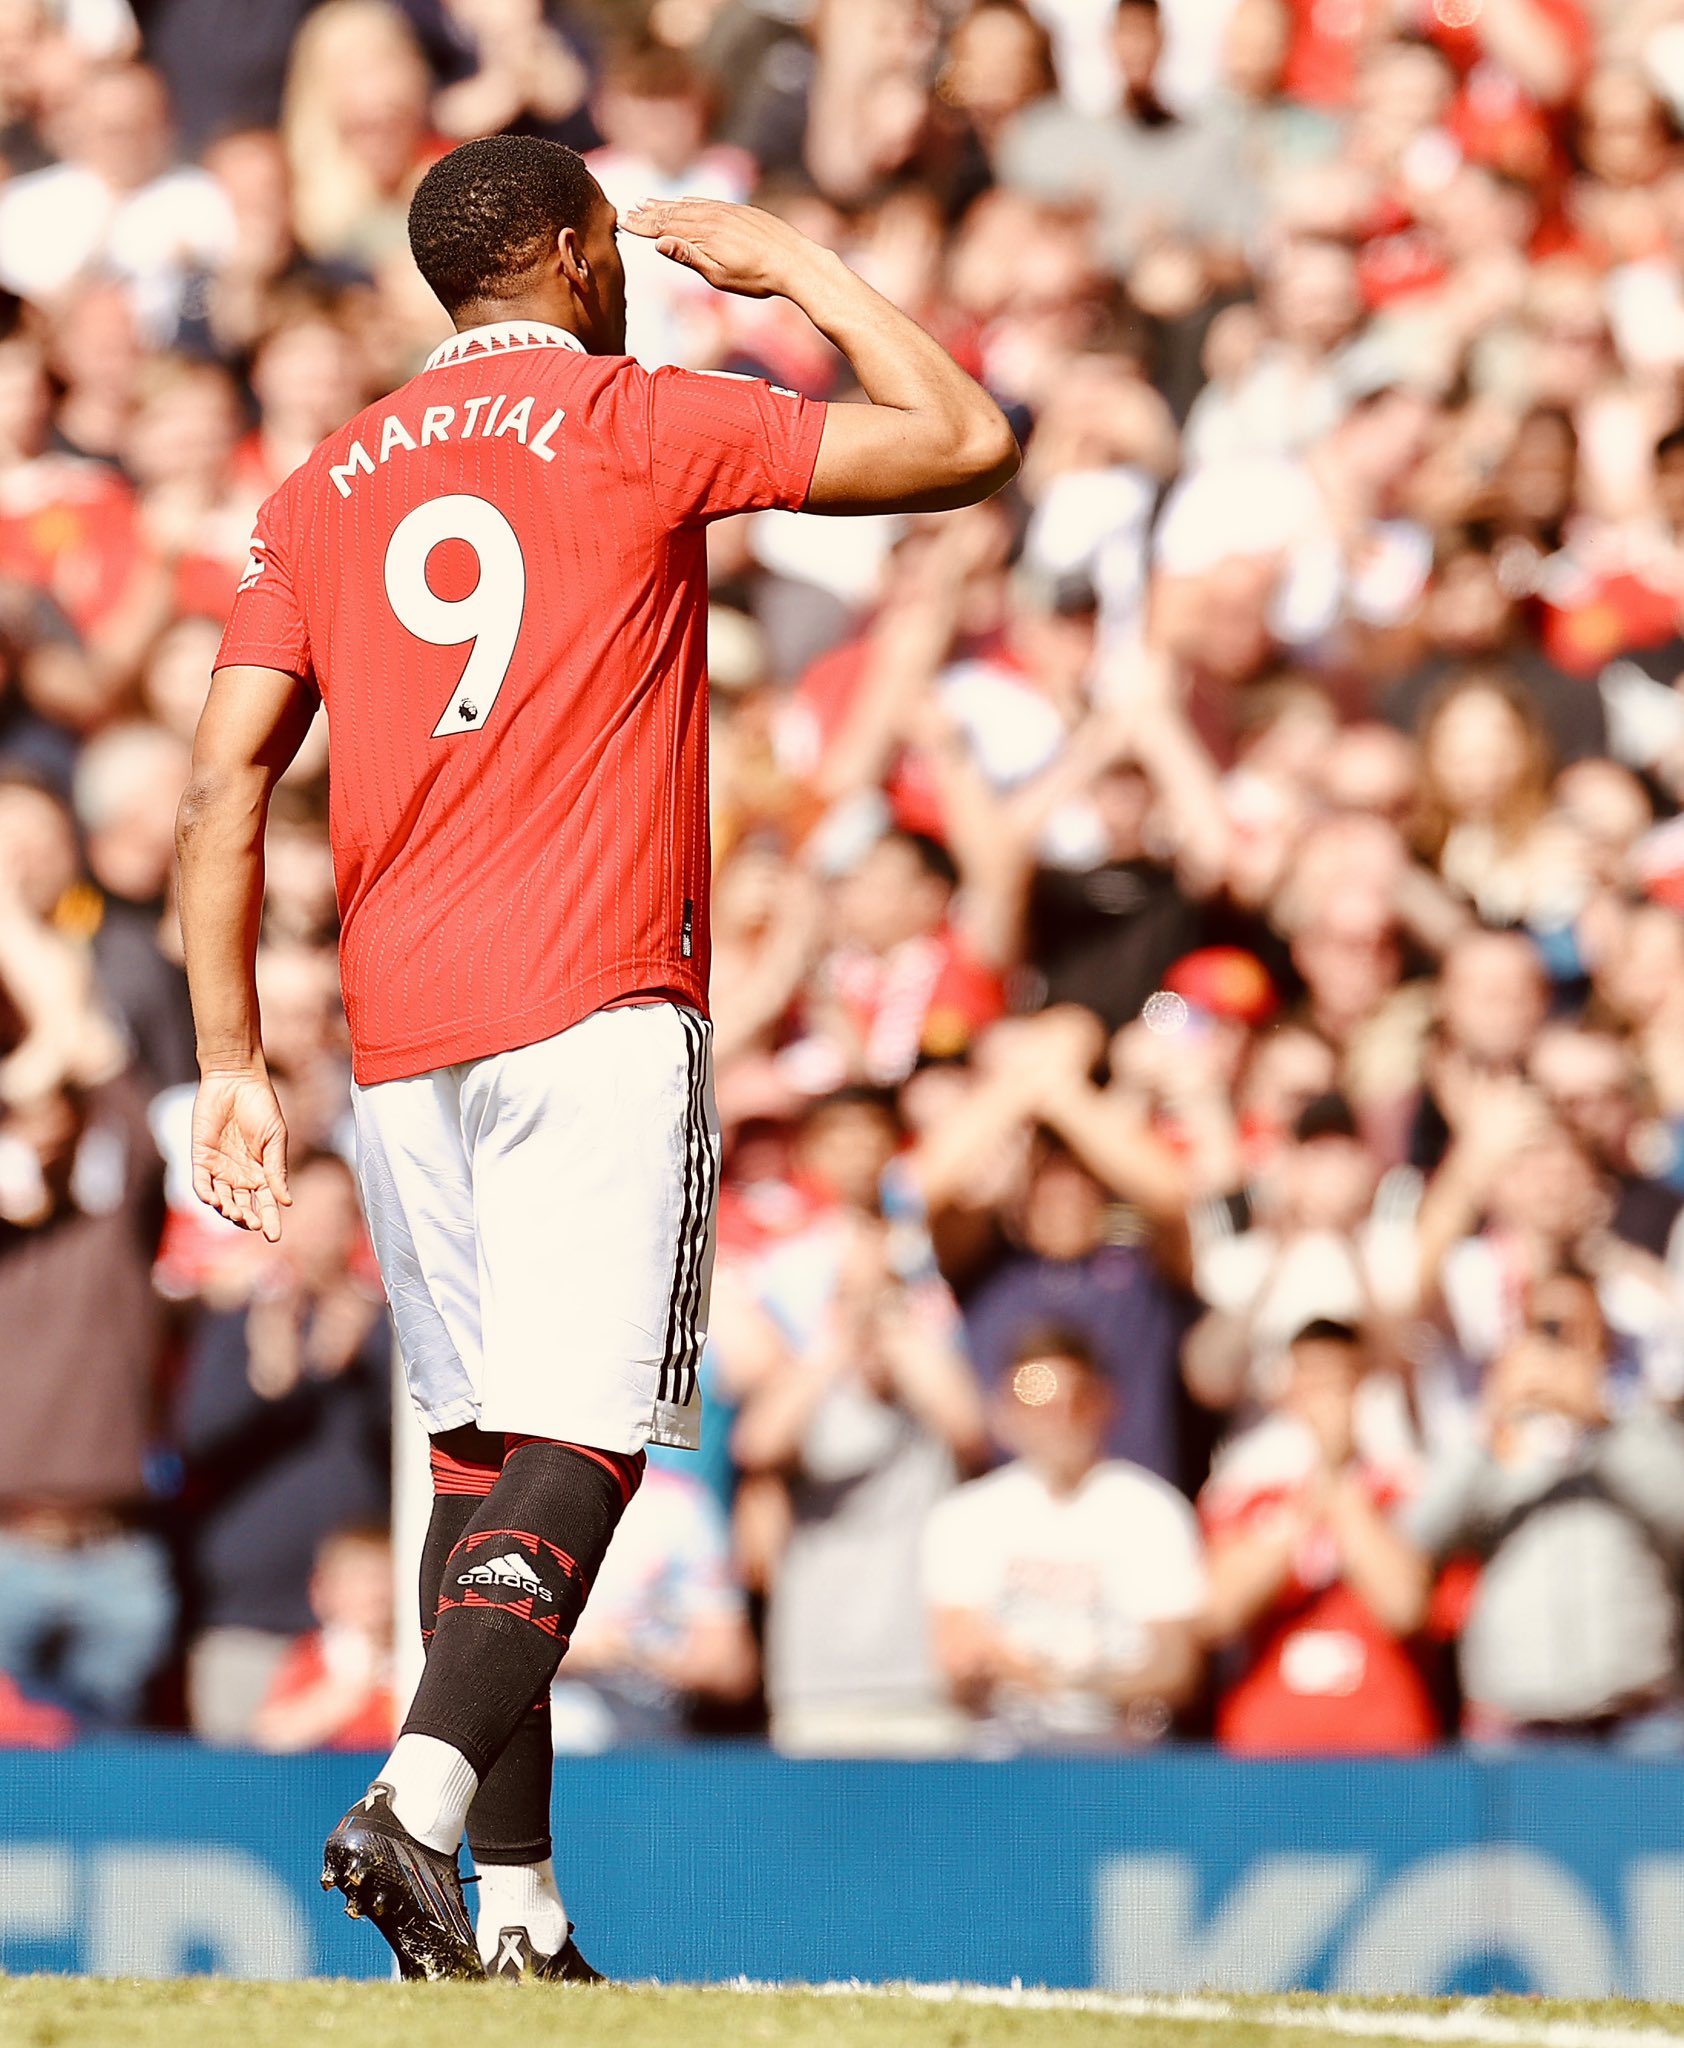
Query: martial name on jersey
{"type": "Point", "coordinates": [489, 417]}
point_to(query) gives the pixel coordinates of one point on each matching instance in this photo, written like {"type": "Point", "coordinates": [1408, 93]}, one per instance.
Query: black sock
{"type": "Point", "coordinates": [509, 1821]}
{"type": "Point", "coordinates": [512, 1590]}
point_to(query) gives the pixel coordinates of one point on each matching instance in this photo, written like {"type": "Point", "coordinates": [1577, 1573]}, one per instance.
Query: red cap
{"type": "Point", "coordinates": [1224, 981]}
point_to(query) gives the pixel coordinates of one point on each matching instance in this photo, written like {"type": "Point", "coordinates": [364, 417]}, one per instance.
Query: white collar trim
{"type": "Point", "coordinates": [498, 337]}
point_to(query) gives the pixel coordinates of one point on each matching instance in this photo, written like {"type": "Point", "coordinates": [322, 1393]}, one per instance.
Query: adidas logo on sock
{"type": "Point", "coordinates": [512, 1570]}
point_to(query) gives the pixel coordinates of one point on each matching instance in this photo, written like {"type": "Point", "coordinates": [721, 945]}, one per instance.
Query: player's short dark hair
{"type": "Point", "coordinates": [1465, 537]}
{"type": "Point", "coordinates": [487, 213]}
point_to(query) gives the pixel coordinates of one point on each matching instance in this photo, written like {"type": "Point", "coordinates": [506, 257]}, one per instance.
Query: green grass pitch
{"type": "Point", "coordinates": [68, 2012]}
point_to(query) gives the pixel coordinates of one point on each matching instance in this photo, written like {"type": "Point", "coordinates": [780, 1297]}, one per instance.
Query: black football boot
{"type": "Point", "coordinates": [516, 1957]}
{"type": "Point", "coordinates": [413, 1894]}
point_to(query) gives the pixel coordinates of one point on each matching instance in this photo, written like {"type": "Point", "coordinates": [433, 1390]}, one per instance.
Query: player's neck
{"type": "Point", "coordinates": [535, 310]}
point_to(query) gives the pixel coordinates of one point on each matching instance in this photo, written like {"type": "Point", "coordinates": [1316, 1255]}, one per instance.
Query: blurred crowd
{"type": "Point", "coordinates": [1199, 939]}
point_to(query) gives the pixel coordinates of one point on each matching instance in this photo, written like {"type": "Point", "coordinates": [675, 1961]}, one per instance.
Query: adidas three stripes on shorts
{"type": "Point", "coordinates": [544, 1222]}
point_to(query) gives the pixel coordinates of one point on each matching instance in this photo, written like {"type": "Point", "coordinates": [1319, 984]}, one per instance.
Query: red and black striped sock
{"type": "Point", "coordinates": [509, 1821]}
{"type": "Point", "coordinates": [465, 1463]}
{"type": "Point", "coordinates": [507, 1597]}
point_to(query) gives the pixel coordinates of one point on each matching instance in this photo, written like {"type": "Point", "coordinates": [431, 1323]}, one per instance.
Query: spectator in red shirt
{"type": "Point", "coordinates": [1308, 1580]}
{"type": "Point", "coordinates": [334, 1688]}
{"type": "Point", "coordinates": [68, 524]}
{"type": "Point", "coordinates": [905, 981]}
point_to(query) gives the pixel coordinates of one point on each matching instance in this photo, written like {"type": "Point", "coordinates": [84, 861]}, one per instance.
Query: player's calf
{"type": "Point", "coordinates": [513, 1589]}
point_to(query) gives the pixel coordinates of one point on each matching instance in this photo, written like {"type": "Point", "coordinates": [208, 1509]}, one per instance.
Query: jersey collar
{"type": "Point", "coordinates": [497, 338]}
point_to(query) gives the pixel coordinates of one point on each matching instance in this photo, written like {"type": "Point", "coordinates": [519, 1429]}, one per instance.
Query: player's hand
{"type": "Point", "coordinates": [240, 1151]}
{"type": "Point", "coordinates": [736, 248]}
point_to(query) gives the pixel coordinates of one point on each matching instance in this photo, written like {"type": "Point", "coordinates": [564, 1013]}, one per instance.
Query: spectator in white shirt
{"type": "Point", "coordinates": [115, 203]}
{"type": "Point", "coordinates": [1065, 1589]}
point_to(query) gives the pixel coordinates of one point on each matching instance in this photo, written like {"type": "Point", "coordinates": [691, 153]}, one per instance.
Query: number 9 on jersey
{"type": "Point", "coordinates": [487, 620]}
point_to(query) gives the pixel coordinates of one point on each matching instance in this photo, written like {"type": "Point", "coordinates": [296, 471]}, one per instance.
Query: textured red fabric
{"type": "Point", "coordinates": [459, 1475]}
{"type": "Point", "coordinates": [502, 881]}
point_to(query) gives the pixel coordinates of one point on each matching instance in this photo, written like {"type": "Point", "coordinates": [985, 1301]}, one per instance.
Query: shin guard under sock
{"type": "Point", "coordinates": [512, 1590]}
{"type": "Point", "coordinates": [509, 1820]}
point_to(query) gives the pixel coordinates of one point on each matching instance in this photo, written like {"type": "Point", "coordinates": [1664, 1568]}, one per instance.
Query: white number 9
{"type": "Point", "coordinates": [489, 616]}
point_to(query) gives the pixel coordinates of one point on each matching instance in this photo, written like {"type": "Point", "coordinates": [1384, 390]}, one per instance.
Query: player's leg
{"type": "Point", "coordinates": [513, 1588]}
{"type": "Point", "coordinates": [418, 1198]}
{"type": "Point", "coordinates": [595, 1170]}
{"type": "Point", "coordinates": [519, 1913]}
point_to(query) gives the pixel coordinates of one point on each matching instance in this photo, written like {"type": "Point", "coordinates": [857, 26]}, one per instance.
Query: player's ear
{"type": "Point", "coordinates": [570, 259]}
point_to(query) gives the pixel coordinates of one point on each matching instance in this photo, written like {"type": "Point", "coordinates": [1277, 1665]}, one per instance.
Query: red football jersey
{"type": "Point", "coordinates": [497, 579]}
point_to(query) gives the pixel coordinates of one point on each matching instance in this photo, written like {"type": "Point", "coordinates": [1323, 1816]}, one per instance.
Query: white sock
{"type": "Point", "coordinates": [433, 1786]}
{"type": "Point", "coordinates": [519, 1895]}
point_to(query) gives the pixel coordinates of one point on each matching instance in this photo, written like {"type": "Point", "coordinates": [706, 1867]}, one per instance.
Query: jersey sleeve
{"type": "Point", "coordinates": [266, 628]}
{"type": "Point", "coordinates": [722, 444]}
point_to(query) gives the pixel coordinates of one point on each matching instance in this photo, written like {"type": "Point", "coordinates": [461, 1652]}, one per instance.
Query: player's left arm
{"type": "Point", "coordinates": [253, 724]}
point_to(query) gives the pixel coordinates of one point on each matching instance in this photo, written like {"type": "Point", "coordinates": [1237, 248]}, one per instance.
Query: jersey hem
{"type": "Point", "coordinates": [810, 456]}
{"type": "Point", "coordinates": [465, 1042]}
{"type": "Point", "coordinates": [253, 654]}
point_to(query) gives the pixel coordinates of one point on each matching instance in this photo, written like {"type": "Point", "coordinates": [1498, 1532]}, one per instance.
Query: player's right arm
{"type": "Point", "coordinates": [929, 439]}
{"type": "Point", "coordinates": [254, 722]}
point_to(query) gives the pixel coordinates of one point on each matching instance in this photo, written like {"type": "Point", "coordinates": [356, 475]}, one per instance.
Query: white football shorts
{"type": "Point", "coordinates": [544, 1222]}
